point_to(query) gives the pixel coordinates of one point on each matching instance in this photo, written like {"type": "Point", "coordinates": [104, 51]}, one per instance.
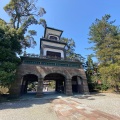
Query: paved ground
{"type": "Point", "coordinates": [68, 109]}
{"type": "Point", "coordinates": [106, 102]}
{"type": "Point", "coordinates": [79, 107]}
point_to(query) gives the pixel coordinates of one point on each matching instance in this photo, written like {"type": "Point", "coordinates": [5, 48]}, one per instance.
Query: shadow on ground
{"type": "Point", "coordinates": [97, 94]}
{"type": "Point", "coordinates": [88, 97]}
{"type": "Point", "coordinates": [30, 99]}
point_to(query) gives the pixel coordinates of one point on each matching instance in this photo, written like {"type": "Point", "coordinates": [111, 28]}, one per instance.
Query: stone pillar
{"type": "Point", "coordinates": [85, 86]}
{"type": "Point", "coordinates": [56, 86]}
{"type": "Point", "coordinates": [80, 85]}
{"type": "Point", "coordinates": [15, 89]}
{"type": "Point", "coordinates": [68, 87]}
{"type": "Point", "coordinates": [40, 87]}
{"type": "Point", "coordinates": [25, 87]}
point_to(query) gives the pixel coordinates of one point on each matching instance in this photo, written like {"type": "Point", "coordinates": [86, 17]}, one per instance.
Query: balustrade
{"type": "Point", "coordinates": [52, 57]}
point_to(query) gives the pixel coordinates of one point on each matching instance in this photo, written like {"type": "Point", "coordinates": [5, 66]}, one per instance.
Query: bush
{"type": "Point", "coordinates": [91, 87]}
{"type": "Point", "coordinates": [104, 87]}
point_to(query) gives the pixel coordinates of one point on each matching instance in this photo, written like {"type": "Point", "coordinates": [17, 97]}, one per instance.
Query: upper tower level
{"type": "Point", "coordinates": [52, 34]}
{"type": "Point", "coordinates": [51, 44]}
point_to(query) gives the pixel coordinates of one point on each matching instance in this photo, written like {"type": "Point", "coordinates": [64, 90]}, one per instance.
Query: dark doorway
{"type": "Point", "coordinates": [77, 84]}
{"type": "Point", "coordinates": [54, 83]}
{"type": "Point", "coordinates": [29, 84]}
{"type": "Point", "coordinates": [54, 54]}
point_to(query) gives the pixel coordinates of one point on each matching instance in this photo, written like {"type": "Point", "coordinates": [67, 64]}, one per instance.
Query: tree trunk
{"type": "Point", "coordinates": [0, 95]}
{"type": "Point", "coordinates": [117, 88]}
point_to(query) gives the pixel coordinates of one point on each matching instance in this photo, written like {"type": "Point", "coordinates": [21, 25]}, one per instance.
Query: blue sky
{"type": "Point", "coordinates": [74, 17]}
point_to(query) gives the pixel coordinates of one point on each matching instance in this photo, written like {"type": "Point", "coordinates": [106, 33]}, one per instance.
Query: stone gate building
{"type": "Point", "coordinates": [51, 64]}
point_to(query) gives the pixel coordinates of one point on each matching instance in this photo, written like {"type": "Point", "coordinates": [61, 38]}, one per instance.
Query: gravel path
{"type": "Point", "coordinates": [106, 102]}
{"type": "Point", "coordinates": [35, 109]}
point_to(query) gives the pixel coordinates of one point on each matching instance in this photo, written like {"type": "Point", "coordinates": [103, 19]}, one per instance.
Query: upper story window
{"type": "Point", "coordinates": [53, 54]}
{"type": "Point", "coordinates": [52, 37]}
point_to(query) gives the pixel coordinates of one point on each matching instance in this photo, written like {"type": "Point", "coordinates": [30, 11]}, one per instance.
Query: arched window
{"type": "Point", "coordinates": [52, 37]}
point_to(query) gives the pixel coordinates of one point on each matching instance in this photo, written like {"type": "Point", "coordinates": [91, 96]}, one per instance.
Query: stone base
{"type": "Point", "coordinates": [69, 94]}
{"type": "Point", "coordinates": [86, 93]}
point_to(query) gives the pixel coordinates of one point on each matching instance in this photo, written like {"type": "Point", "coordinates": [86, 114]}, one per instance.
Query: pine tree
{"type": "Point", "coordinates": [106, 38]}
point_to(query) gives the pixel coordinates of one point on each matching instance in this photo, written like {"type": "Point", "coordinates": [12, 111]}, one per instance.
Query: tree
{"type": "Point", "coordinates": [89, 68]}
{"type": "Point", "coordinates": [70, 49]}
{"type": "Point", "coordinates": [9, 48]}
{"type": "Point", "coordinates": [106, 38]}
{"type": "Point", "coordinates": [110, 75]}
{"type": "Point", "coordinates": [24, 13]}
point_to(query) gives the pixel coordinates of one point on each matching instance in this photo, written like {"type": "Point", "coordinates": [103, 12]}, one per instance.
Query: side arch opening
{"type": "Point", "coordinates": [29, 84]}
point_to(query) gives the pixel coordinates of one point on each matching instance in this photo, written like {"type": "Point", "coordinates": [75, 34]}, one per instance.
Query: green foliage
{"type": "Point", "coordinates": [31, 86]}
{"type": "Point", "coordinates": [89, 62]}
{"type": "Point", "coordinates": [24, 13]}
{"type": "Point", "coordinates": [104, 87]}
{"type": "Point", "coordinates": [52, 84]}
{"type": "Point", "coordinates": [93, 75]}
{"type": "Point", "coordinates": [6, 78]}
{"type": "Point", "coordinates": [91, 70]}
{"type": "Point", "coordinates": [70, 49]}
{"type": "Point", "coordinates": [9, 47]}
{"type": "Point", "coordinates": [91, 86]}
{"type": "Point", "coordinates": [106, 38]}
{"type": "Point", "coordinates": [110, 74]}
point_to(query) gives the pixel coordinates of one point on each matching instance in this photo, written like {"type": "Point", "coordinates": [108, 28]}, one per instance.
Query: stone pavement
{"type": "Point", "coordinates": [61, 107]}
{"type": "Point", "coordinates": [68, 109]}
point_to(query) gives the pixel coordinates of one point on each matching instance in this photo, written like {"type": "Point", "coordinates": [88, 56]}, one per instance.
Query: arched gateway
{"type": "Point", "coordinates": [50, 64]}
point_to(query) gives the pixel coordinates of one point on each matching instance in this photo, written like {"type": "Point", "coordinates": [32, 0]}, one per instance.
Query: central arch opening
{"type": "Point", "coordinates": [54, 83]}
